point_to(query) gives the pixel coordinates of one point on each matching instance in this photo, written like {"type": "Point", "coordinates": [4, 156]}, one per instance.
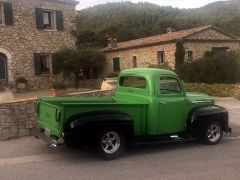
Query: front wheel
{"type": "Point", "coordinates": [110, 144]}
{"type": "Point", "coordinates": [212, 133]}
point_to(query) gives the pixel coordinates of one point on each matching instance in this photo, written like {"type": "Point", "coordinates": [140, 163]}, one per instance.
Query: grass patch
{"type": "Point", "coordinates": [217, 90]}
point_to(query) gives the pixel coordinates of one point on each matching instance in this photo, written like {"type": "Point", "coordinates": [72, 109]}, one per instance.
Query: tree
{"type": "Point", "coordinates": [74, 61]}
{"type": "Point", "coordinates": [179, 54]}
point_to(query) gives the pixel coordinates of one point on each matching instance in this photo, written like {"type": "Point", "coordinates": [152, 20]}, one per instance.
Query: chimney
{"type": "Point", "coordinates": [170, 30]}
{"type": "Point", "coordinates": [112, 43]}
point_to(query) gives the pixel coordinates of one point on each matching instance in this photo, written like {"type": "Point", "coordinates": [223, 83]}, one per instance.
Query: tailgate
{"type": "Point", "coordinates": [49, 117]}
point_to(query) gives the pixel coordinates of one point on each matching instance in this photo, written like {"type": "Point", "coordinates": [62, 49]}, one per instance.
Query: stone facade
{"type": "Point", "coordinates": [18, 119]}
{"type": "Point", "coordinates": [199, 48]}
{"type": "Point", "coordinates": [144, 56]}
{"type": "Point", "coordinates": [196, 42]}
{"type": "Point", "coordinates": [20, 40]}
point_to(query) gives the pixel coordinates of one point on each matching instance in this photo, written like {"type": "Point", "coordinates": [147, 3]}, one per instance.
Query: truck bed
{"type": "Point", "coordinates": [55, 112]}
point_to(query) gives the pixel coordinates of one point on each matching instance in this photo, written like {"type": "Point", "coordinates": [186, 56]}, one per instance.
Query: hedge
{"type": "Point", "coordinates": [217, 90]}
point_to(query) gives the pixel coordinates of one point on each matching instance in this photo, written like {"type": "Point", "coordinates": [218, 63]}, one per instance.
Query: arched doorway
{"type": "Point", "coordinates": [3, 69]}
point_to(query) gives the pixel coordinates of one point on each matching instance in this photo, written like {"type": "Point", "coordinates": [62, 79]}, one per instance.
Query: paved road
{"type": "Point", "coordinates": [31, 159]}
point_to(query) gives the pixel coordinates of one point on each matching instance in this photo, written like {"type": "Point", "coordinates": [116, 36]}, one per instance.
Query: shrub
{"type": "Point", "coordinates": [212, 69]}
{"type": "Point", "coordinates": [58, 85]}
{"type": "Point", "coordinates": [217, 90]}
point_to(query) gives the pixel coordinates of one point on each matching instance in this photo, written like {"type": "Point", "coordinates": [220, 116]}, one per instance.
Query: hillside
{"type": "Point", "coordinates": [127, 20]}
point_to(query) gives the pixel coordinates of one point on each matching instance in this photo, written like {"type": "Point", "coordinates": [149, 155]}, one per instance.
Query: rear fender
{"type": "Point", "coordinates": [100, 121]}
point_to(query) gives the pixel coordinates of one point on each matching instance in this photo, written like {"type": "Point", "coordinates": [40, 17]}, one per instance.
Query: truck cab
{"type": "Point", "coordinates": [150, 105]}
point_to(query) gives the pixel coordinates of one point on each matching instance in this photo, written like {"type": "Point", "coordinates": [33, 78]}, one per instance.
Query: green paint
{"type": "Point", "coordinates": [153, 111]}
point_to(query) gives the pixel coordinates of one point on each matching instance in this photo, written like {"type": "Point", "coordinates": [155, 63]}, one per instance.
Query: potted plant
{"type": "Point", "coordinates": [110, 81]}
{"type": "Point", "coordinates": [21, 84]}
{"type": "Point", "coordinates": [58, 89]}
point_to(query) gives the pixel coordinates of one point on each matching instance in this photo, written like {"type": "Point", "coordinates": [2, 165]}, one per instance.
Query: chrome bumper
{"type": "Point", "coordinates": [52, 141]}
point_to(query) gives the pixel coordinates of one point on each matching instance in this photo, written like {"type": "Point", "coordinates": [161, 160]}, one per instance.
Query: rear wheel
{"type": "Point", "coordinates": [110, 144]}
{"type": "Point", "coordinates": [212, 133]}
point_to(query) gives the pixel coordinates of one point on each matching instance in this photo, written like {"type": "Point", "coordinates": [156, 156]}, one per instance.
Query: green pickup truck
{"type": "Point", "coordinates": [149, 106]}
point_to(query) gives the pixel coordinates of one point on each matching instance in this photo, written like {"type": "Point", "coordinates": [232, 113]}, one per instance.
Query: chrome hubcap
{"type": "Point", "coordinates": [214, 132]}
{"type": "Point", "coordinates": [110, 142]}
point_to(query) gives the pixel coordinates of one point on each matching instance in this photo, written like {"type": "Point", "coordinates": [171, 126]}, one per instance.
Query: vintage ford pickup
{"type": "Point", "coordinates": [149, 106]}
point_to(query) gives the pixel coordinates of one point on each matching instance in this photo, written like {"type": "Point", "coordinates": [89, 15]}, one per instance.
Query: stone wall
{"type": "Point", "coordinates": [21, 40]}
{"type": "Point", "coordinates": [199, 48]}
{"type": "Point", "coordinates": [145, 56]}
{"type": "Point", "coordinates": [18, 119]}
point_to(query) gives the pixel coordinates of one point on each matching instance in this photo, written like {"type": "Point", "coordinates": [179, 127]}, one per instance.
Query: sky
{"type": "Point", "coordinates": [174, 3]}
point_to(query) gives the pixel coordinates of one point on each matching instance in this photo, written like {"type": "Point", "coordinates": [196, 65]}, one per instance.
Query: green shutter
{"type": "Point", "coordinates": [8, 13]}
{"type": "Point", "coordinates": [55, 68]}
{"type": "Point", "coordinates": [37, 64]}
{"type": "Point", "coordinates": [116, 64]}
{"type": "Point", "coordinates": [60, 21]}
{"type": "Point", "coordinates": [39, 18]}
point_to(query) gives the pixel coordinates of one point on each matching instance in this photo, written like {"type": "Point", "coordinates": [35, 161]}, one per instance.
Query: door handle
{"type": "Point", "coordinates": [163, 103]}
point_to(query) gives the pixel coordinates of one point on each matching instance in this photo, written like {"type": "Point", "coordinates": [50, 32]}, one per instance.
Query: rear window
{"type": "Point", "coordinates": [133, 81]}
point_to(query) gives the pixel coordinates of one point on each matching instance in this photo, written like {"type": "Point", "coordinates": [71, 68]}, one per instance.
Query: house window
{"type": "Point", "coordinates": [1, 13]}
{"type": "Point", "coordinates": [45, 64]}
{"type": "Point", "coordinates": [6, 14]}
{"type": "Point", "coordinates": [160, 57]}
{"type": "Point", "coordinates": [190, 56]}
{"type": "Point", "coordinates": [134, 61]}
{"type": "Point", "coordinates": [42, 63]}
{"type": "Point", "coordinates": [48, 20]}
{"type": "Point", "coordinates": [116, 64]}
{"type": "Point", "coordinates": [220, 50]}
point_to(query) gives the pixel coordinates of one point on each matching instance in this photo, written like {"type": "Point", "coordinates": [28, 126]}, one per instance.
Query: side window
{"type": "Point", "coordinates": [42, 63]}
{"type": "Point", "coordinates": [160, 57]}
{"type": "Point", "coordinates": [48, 20]}
{"type": "Point", "coordinates": [169, 85]}
{"type": "Point", "coordinates": [133, 81]}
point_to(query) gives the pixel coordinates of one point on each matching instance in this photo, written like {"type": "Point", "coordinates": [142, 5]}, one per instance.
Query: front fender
{"type": "Point", "coordinates": [210, 113]}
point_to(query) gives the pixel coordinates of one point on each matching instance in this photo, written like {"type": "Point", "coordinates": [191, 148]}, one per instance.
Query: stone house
{"type": "Point", "coordinates": [161, 48]}
{"type": "Point", "coordinates": [30, 31]}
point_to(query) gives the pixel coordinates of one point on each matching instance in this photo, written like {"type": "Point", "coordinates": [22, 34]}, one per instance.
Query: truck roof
{"type": "Point", "coordinates": [147, 71]}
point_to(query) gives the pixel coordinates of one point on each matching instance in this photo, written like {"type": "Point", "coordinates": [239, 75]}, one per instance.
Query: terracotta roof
{"type": "Point", "coordinates": [168, 37]}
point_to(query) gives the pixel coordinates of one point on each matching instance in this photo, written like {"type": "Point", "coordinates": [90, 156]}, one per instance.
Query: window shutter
{"type": "Point", "coordinates": [39, 18]}
{"type": "Point", "coordinates": [37, 64]}
{"type": "Point", "coordinates": [8, 13]}
{"type": "Point", "coordinates": [59, 19]}
{"type": "Point", "coordinates": [55, 69]}
{"type": "Point", "coordinates": [116, 64]}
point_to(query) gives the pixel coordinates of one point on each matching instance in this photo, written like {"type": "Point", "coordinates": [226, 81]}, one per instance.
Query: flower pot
{"type": "Point", "coordinates": [58, 92]}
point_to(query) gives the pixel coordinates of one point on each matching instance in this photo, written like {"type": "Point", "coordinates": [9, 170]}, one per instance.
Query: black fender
{"type": "Point", "coordinates": [98, 121]}
{"type": "Point", "coordinates": [209, 113]}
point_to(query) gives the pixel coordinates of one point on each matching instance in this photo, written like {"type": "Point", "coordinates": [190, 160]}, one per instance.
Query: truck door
{"type": "Point", "coordinates": [172, 105]}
